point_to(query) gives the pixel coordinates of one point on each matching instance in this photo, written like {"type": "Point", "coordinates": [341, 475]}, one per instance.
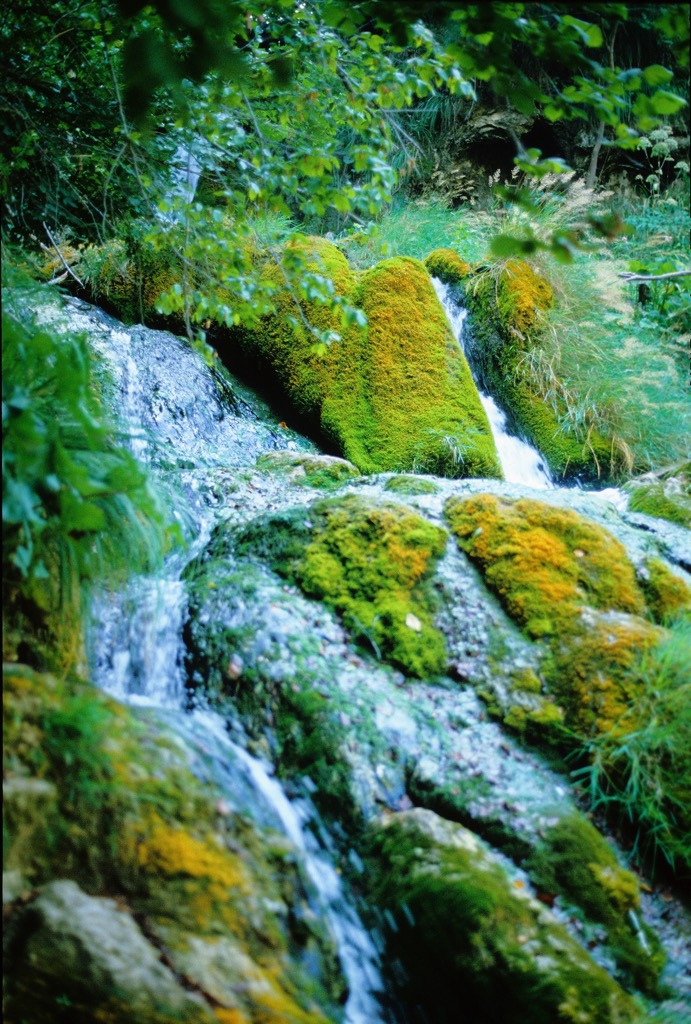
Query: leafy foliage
{"type": "Point", "coordinates": [75, 501]}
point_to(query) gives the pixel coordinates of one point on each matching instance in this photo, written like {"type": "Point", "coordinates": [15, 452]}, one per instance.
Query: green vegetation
{"type": "Point", "coordinates": [453, 913]}
{"type": "Point", "coordinates": [370, 564]}
{"type": "Point", "coordinates": [76, 504]}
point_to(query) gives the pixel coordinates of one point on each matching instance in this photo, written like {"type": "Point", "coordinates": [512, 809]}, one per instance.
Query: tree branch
{"type": "Point", "coordinates": [61, 257]}
{"type": "Point", "coordinates": [628, 276]}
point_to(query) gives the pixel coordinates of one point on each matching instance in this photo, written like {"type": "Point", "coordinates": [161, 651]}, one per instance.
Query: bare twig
{"type": "Point", "coordinates": [61, 257]}
{"type": "Point", "coordinates": [629, 276]}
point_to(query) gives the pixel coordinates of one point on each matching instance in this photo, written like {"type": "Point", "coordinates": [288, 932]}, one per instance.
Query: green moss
{"type": "Point", "coordinates": [545, 563]}
{"type": "Point", "coordinates": [410, 485]}
{"type": "Point", "coordinates": [323, 471]}
{"type": "Point", "coordinates": [447, 265]}
{"type": "Point", "coordinates": [369, 563]}
{"type": "Point", "coordinates": [666, 594]}
{"type": "Point", "coordinates": [507, 308]}
{"type": "Point", "coordinates": [129, 277]}
{"type": "Point", "coordinates": [655, 500]}
{"type": "Point", "coordinates": [398, 395]}
{"type": "Point", "coordinates": [575, 861]}
{"type": "Point", "coordinates": [467, 938]}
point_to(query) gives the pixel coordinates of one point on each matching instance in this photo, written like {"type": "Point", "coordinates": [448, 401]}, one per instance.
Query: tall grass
{"type": "Point", "coordinates": [640, 772]}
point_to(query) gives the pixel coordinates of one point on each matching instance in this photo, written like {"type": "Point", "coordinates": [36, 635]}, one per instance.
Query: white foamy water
{"type": "Point", "coordinates": [520, 462]}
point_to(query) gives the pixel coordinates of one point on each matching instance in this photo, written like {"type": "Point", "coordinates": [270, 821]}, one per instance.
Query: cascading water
{"type": "Point", "coordinates": [176, 413]}
{"type": "Point", "coordinates": [520, 462]}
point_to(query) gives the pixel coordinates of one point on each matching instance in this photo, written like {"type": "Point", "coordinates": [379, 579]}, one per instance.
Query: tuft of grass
{"type": "Point", "coordinates": [642, 777]}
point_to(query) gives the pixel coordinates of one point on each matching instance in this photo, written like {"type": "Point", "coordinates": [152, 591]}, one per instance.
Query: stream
{"type": "Point", "coordinates": [200, 432]}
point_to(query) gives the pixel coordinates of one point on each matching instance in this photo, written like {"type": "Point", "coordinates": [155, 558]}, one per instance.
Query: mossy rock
{"type": "Point", "coordinates": [507, 309]}
{"type": "Point", "coordinates": [117, 811]}
{"type": "Point", "coordinates": [447, 265]}
{"type": "Point", "coordinates": [467, 937]}
{"type": "Point", "coordinates": [397, 395]}
{"type": "Point", "coordinates": [666, 499]}
{"type": "Point", "coordinates": [666, 594]}
{"type": "Point", "coordinates": [371, 564]}
{"type": "Point", "coordinates": [574, 860]}
{"type": "Point", "coordinates": [544, 562]}
{"type": "Point", "coordinates": [323, 471]}
{"type": "Point", "coordinates": [412, 485]}
{"type": "Point", "coordinates": [129, 278]}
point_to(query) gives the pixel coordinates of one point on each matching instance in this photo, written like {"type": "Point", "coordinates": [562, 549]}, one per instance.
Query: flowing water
{"type": "Point", "coordinates": [520, 462]}
{"type": "Point", "coordinates": [178, 413]}
{"type": "Point", "coordinates": [197, 429]}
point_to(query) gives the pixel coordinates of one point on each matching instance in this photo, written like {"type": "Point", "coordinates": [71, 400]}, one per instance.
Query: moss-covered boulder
{"type": "Point", "coordinates": [129, 278]}
{"type": "Point", "coordinates": [666, 495]}
{"type": "Point", "coordinates": [142, 895]}
{"type": "Point", "coordinates": [447, 265]}
{"type": "Point", "coordinates": [569, 582]}
{"type": "Point", "coordinates": [322, 471]}
{"type": "Point", "coordinates": [467, 938]}
{"type": "Point", "coordinates": [396, 395]}
{"type": "Point", "coordinates": [573, 860]}
{"type": "Point", "coordinates": [507, 308]}
{"type": "Point", "coordinates": [544, 562]}
{"type": "Point", "coordinates": [372, 564]}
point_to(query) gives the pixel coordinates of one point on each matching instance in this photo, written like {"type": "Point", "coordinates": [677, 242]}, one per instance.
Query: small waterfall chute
{"type": "Point", "coordinates": [520, 462]}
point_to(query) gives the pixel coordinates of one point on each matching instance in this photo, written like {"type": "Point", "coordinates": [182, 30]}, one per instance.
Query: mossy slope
{"type": "Point", "coordinates": [507, 307]}
{"type": "Point", "coordinates": [397, 395]}
{"type": "Point", "coordinates": [467, 938]}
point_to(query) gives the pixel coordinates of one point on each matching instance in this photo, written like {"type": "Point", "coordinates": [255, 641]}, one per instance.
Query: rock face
{"type": "Point", "coordinates": [424, 661]}
{"type": "Point", "coordinates": [88, 954]}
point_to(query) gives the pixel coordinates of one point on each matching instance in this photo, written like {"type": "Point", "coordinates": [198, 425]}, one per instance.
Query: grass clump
{"type": "Point", "coordinates": [640, 773]}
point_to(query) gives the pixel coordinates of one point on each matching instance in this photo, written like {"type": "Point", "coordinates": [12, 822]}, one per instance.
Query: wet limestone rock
{"type": "Point", "coordinates": [371, 563]}
{"type": "Point", "coordinates": [85, 952]}
{"type": "Point", "coordinates": [466, 937]}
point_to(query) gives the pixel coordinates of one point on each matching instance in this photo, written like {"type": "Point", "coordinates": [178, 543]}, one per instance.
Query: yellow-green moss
{"type": "Point", "coordinates": [410, 485]}
{"type": "Point", "coordinates": [522, 294]}
{"type": "Point", "coordinates": [129, 279]}
{"type": "Point", "coordinates": [506, 309]}
{"type": "Point", "coordinates": [397, 395]}
{"type": "Point", "coordinates": [575, 861]}
{"type": "Point", "coordinates": [666, 594]}
{"type": "Point", "coordinates": [371, 564]}
{"type": "Point", "coordinates": [544, 562]}
{"type": "Point", "coordinates": [323, 471]}
{"type": "Point", "coordinates": [447, 265]}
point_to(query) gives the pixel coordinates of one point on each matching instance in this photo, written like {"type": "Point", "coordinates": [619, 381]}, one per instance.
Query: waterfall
{"type": "Point", "coordinates": [520, 462]}
{"type": "Point", "coordinates": [174, 410]}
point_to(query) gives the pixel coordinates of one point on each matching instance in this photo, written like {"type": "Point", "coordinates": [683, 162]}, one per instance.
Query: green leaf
{"type": "Point", "coordinates": [655, 74]}
{"type": "Point", "coordinates": [666, 102]}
